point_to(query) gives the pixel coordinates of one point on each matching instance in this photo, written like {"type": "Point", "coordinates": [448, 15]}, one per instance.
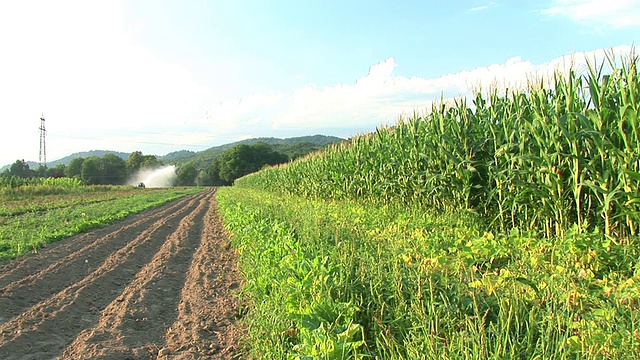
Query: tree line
{"type": "Point", "coordinates": [230, 165]}
{"type": "Point", "coordinates": [110, 169]}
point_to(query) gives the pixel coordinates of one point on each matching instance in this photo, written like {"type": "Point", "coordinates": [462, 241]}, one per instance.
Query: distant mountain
{"type": "Point", "coordinates": [32, 165]}
{"type": "Point", "coordinates": [85, 154]}
{"type": "Point", "coordinates": [177, 156]}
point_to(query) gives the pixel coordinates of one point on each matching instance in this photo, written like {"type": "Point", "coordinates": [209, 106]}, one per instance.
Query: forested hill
{"type": "Point", "coordinates": [67, 159]}
{"type": "Point", "coordinates": [292, 147]}
{"type": "Point", "coordinates": [85, 154]}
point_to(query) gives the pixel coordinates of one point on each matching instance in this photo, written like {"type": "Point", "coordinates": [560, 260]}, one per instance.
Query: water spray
{"type": "Point", "coordinates": [160, 177]}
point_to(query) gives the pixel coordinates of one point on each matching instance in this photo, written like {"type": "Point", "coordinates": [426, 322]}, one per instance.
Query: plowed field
{"type": "Point", "coordinates": [159, 285]}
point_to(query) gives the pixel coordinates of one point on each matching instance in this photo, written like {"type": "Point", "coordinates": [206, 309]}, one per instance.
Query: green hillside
{"type": "Point", "coordinates": [85, 154]}
{"type": "Point", "coordinates": [292, 147]}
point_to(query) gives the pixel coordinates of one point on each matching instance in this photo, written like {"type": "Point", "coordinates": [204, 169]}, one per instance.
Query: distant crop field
{"type": "Point", "coordinates": [34, 212]}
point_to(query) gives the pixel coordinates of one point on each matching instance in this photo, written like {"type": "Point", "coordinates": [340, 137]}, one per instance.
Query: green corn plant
{"type": "Point", "coordinates": [563, 151]}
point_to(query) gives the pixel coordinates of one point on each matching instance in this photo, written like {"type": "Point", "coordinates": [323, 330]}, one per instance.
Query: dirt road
{"type": "Point", "coordinates": [159, 285]}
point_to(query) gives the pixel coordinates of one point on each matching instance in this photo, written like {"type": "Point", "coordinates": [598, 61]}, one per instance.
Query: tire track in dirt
{"type": "Point", "coordinates": [133, 325]}
{"type": "Point", "coordinates": [207, 310]}
{"type": "Point", "coordinates": [123, 308]}
{"type": "Point", "coordinates": [84, 254]}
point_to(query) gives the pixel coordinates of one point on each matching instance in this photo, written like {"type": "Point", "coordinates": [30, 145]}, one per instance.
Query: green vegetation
{"type": "Point", "coordinates": [18, 186]}
{"type": "Point", "coordinates": [505, 229]}
{"type": "Point", "coordinates": [85, 154]}
{"type": "Point", "coordinates": [138, 161]}
{"type": "Point", "coordinates": [233, 163]}
{"type": "Point", "coordinates": [187, 175]}
{"type": "Point", "coordinates": [242, 160]}
{"type": "Point", "coordinates": [543, 159]}
{"type": "Point", "coordinates": [343, 279]}
{"type": "Point", "coordinates": [34, 212]}
{"type": "Point", "coordinates": [223, 164]}
{"type": "Point", "coordinates": [21, 168]}
{"type": "Point", "coordinates": [109, 169]}
{"type": "Point", "coordinates": [216, 166]}
{"type": "Point", "coordinates": [292, 147]}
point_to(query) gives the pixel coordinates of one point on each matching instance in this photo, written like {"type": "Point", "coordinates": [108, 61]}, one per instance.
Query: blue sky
{"type": "Point", "coordinates": [160, 76]}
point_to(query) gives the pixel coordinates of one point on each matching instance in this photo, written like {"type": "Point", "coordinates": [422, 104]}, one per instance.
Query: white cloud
{"type": "Point", "coordinates": [482, 7]}
{"type": "Point", "coordinates": [379, 97]}
{"type": "Point", "coordinates": [76, 62]}
{"type": "Point", "coordinates": [598, 13]}
{"type": "Point", "coordinates": [478, 8]}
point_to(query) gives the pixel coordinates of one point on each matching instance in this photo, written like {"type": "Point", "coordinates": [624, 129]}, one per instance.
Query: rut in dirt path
{"type": "Point", "coordinates": [199, 332]}
{"type": "Point", "coordinates": [122, 292]}
{"type": "Point", "coordinates": [36, 278]}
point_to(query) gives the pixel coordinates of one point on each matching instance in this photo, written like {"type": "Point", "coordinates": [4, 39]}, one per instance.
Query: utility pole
{"type": "Point", "coordinates": [43, 149]}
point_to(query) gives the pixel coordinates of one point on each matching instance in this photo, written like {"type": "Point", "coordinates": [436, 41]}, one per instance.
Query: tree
{"type": "Point", "coordinates": [41, 171]}
{"type": "Point", "coordinates": [114, 169]}
{"type": "Point", "coordinates": [21, 169]}
{"type": "Point", "coordinates": [214, 174]}
{"type": "Point", "coordinates": [134, 162]}
{"type": "Point", "coordinates": [150, 161]}
{"type": "Point", "coordinates": [75, 168]}
{"type": "Point", "coordinates": [187, 175]}
{"type": "Point", "coordinates": [137, 161]}
{"type": "Point", "coordinates": [298, 149]}
{"type": "Point", "coordinates": [57, 172]}
{"type": "Point", "coordinates": [92, 170]}
{"type": "Point", "coordinates": [245, 159]}
{"type": "Point", "coordinates": [203, 178]}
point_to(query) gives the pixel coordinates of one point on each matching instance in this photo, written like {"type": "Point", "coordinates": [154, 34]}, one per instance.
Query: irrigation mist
{"type": "Point", "coordinates": [159, 177]}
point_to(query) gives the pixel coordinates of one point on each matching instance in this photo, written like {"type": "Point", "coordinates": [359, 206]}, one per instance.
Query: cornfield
{"type": "Point", "coordinates": [561, 153]}
{"type": "Point", "coordinates": [11, 186]}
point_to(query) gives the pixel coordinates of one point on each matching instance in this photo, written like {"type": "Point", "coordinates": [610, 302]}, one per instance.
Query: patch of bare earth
{"type": "Point", "coordinates": [160, 285]}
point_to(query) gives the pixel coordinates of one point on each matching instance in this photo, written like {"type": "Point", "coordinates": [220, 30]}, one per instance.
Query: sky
{"type": "Point", "coordinates": [165, 75]}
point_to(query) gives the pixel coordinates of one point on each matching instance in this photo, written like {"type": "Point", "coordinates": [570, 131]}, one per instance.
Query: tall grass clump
{"type": "Point", "coordinates": [562, 152]}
